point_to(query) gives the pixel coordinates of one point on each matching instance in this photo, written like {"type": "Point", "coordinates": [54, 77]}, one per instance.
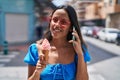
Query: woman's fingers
{"type": "Point", "coordinates": [74, 33]}
{"type": "Point", "coordinates": [40, 66]}
{"type": "Point", "coordinates": [76, 42]}
{"type": "Point", "coordinates": [73, 42]}
{"type": "Point", "coordinates": [42, 56]}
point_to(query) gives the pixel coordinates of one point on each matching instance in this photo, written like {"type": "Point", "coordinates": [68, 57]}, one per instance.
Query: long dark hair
{"type": "Point", "coordinates": [74, 22]}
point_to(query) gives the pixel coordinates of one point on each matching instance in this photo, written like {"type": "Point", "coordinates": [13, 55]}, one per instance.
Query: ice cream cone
{"type": "Point", "coordinates": [46, 52]}
{"type": "Point", "coordinates": [45, 49]}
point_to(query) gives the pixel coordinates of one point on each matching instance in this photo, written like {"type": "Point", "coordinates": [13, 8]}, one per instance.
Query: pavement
{"type": "Point", "coordinates": [104, 70]}
{"type": "Point", "coordinates": [108, 69]}
{"type": "Point", "coordinates": [13, 72]}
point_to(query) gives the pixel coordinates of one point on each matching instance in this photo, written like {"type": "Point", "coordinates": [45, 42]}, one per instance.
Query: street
{"type": "Point", "coordinates": [98, 54]}
{"type": "Point", "coordinates": [103, 66]}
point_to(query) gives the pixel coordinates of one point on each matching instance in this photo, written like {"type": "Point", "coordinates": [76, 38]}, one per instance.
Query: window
{"type": "Point", "coordinates": [117, 1]}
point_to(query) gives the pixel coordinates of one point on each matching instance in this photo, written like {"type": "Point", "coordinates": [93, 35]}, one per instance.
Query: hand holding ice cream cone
{"type": "Point", "coordinates": [44, 49]}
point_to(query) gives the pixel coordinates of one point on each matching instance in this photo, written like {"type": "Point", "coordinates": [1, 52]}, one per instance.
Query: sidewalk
{"type": "Point", "coordinates": [13, 73]}
{"type": "Point", "coordinates": [108, 69]}
{"type": "Point", "coordinates": [105, 70]}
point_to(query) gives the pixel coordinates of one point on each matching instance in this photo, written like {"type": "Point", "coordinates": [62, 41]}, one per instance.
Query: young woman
{"type": "Point", "coordinates": [67, 56]}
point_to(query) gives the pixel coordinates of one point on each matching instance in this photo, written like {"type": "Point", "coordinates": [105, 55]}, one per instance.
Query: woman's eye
{"type": "Point", "coordinates": [55, 19]}
{"type": "Point", "coordinates": [63, 22]}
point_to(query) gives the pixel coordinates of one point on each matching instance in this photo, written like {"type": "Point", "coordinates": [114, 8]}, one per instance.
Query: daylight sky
{"type": "Point", "coordinates": [59, 2]}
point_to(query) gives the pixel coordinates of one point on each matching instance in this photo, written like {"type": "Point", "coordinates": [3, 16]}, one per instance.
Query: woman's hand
{"type": "Point", "coordinates": [41, 64]}
{"type": "Point", "coordinates": [81, 65]}
{"type": "Point", "coordinates": [76, 43]}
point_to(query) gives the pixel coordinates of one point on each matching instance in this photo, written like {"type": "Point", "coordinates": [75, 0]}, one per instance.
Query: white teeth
{"type": "Point", "coordinates": [57, 30]}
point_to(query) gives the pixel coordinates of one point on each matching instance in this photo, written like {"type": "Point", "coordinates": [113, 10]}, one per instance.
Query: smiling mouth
{"type": "Point", "coordinates": [57, 30]}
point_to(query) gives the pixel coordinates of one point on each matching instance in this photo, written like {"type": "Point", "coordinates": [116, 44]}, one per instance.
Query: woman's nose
{"type": "Point", "coordinates": [58, 23]}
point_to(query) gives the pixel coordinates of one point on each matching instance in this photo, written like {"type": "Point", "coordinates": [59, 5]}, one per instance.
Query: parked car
{"type": "Point", "coordinates": [89, 31]}
{"type": "Point", "coordinates": [95, 31]}
{"type": "Point", "coordinates": [108, 34]}
{"type": "Point", "coordinates": [118, 39]}
{"type": "Point", "coordinates": [86, 30]}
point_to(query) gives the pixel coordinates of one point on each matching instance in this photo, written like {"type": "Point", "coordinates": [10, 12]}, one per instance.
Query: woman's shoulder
{"type": "Point", "coordinates": [32, 55]}
{"type": "Point", "coordinates": [32, 46]}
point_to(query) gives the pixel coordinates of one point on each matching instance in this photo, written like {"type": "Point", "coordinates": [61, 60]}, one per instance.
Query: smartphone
{"type": "Point", "coordinates": [73, 37]}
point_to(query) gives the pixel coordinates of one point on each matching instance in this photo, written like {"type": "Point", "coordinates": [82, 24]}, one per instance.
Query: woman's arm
{"type": "Point", "coordinates": [33, 74]}
{"type": "Point", "coordinates": [82, 73]}
{"type": "Point", "coordinates": [34, 71]}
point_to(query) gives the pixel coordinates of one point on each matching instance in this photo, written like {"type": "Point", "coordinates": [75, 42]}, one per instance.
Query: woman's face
{"type": "Point", "coordinates": [60, 24]}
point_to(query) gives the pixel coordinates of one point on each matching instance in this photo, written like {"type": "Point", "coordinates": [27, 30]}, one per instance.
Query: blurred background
{"type": "Point", "coordinates": [22, 22]}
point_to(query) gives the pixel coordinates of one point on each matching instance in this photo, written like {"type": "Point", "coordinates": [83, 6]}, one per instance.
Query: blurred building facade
{"type": "Point", "coordinates": [112, 8]}
{"type": "Point", "coordinates": [104, 13]}
{"type": "Point", "coordinates": [16, 20]}
{"type": "Point", "coordinates": [86, 16]}
{"type": "Point", "coordinates": [18, 17]}
{"type": "Point", "coordinates": [43, 9]}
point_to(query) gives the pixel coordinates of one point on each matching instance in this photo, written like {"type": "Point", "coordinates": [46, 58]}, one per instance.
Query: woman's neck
{"type": "Point", "coordinates": [59, 43]}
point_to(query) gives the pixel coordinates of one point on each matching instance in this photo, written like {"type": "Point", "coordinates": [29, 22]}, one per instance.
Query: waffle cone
{"type": "Point", "coordinates": [45, 52]}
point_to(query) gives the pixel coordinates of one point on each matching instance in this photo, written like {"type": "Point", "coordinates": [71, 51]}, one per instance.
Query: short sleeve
{"type": "Point", "coordinates": [32, 55]}
{"type": "Point", "coordinates": [86, 55]}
